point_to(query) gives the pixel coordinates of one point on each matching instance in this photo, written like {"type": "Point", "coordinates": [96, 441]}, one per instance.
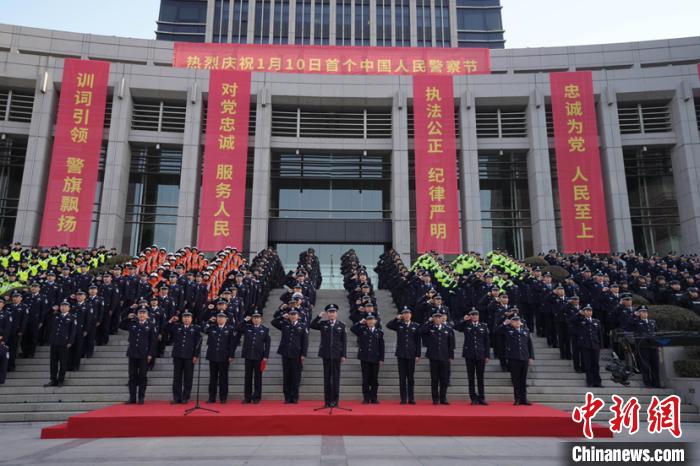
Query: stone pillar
{"type": "Point", "coordinates": [544, 234]}
{"type": "Point", "coordinates": [110, 229]}
{"type": "Point", "coordinates": [38, 158]}
{"type": "Point", "coordinates": [400, 207]}
{"type": "Point", "coordinates": [188, 201]}
{"type": "Point", "coordinates": [470, 200]}
{"type": "Point", "coordinates": [685, 158]}
{"type": "Point", "coordinates": [617, 204]}
{"type": "Point", "coordinates": [260, 204]}
{"type": "Point", "coordinates": [209, 28]}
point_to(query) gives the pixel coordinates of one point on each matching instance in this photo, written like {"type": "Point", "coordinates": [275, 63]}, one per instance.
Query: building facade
{"type": "Point", "coordinates": [331, 157]}
{"type": "Point", "coordinates": [416, 23]}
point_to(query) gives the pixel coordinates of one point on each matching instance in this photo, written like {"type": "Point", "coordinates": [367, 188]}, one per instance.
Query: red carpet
{"type": "Point", "coordinates": [160, 419]}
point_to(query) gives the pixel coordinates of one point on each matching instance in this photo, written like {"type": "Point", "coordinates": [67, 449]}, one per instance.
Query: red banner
{"type": "Point", "coordinates": [332, 59]}
{"type": "Point", "coordinates": [437, 215]}
{"type": "Point", "coordinates": [70, 193]}
{"type": "Point", "coordinates": [222, 200]}
{"type": "Point", "coordinates": [581, 196]}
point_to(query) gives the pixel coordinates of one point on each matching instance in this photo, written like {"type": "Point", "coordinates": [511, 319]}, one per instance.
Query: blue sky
{"type": "Point", "coordinates": [528, 23]}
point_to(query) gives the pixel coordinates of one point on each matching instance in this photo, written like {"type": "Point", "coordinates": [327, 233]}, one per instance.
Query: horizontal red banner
{"type": "Point", "coordinates": [333, 59]}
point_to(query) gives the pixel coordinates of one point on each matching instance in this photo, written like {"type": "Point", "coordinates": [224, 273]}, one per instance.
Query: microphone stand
{"type": "Point", "coordinates": [331, 362]}
{"type": "Point", "coordinates": [199, 377]}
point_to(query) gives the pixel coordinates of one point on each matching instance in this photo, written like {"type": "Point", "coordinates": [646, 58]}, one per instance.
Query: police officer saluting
{"type": "Point", "coordinates": [221, 347]}
{"type": "Point", "coordinates": [408, 348]}
{"type": "Point", "coordinates": [143, 343]}
{"type": "Point", "coordinates": [519, 353]}
{"type": "Point", "coordinates": [648, 355]}
{"type": "Point", "coordinates": [476, 351]}
{"type": "Point", "coordinates": [333, 351]}
{"type": "Point", "coordinates": [62, 334]}
{"type": "Point", "coordinates": [293, 347]}
{"type": "Point", "coordinates": [589, 338]}
{"type": "Point", "coordinates": [370, 352]}
{"type": "Point", "coordinates": [439, 340]}
{"type": "Point", "coordinates": [186, 340]}
{"type": "Point", "coordinates": [255, 351]}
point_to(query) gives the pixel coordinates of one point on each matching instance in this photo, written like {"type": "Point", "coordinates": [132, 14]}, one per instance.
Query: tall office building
{"type": "Point", "coordinates": [416, 23]}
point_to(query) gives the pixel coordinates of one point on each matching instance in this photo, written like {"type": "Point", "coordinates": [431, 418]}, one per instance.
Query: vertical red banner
{"type": "Point", "coordinates": [75, 159]}
{"type": "Point", "coordinates": [437, 216]}
{"type": "Point", "coordinates": [581, 195]}
{"type": "Point", "coordinates": [222, 200]}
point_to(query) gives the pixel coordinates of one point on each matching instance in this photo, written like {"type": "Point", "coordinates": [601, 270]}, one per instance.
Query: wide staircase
{"type": "Point", "coordinates": [102, 379]}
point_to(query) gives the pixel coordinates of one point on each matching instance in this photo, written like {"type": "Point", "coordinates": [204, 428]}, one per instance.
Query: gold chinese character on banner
{"type": "Point", "coordinates": [572, 91]}
{"type": "Point", "coordinates": [85, 80]}
{"type": "Point", "coordinates": [72, 184]}
{"type": "Point", "coordinates": [332, 65]}
{"type": "Point", "coordinates": [436, 175]}
{"type": "Point", "coordinates": [574, 108]}
{"type": "Point", "coordinates": [436, 209]}
{"type": "Point", "coordinates": [222, 211]}
{"type": "Point", "coordinates": [67, 223]}
{"type": "Point", "coordinates": [83, 98]}
{"type": "Point", "coordinates": [81, 116]}
{"type": "Point", "coordinates": [75, 165]}
{"type": "Point", "coordinates": [470, 66]}
{"type": "Point", "coordinates": [79, 135]}
{"type": "Point", "coordinates": [575, 126]}
{"type": "Point", "coordinates": [438, 230]}
{"type": "Point", "coordinates": [221, 228]}
{"type": "Point", "coordinates": [227, 125]}
{"type": "Point", "coordinates": [434, 128]}
{"type": "Point", "coordinates": [583, 211]}
{"type": "Point", "coordinates": [585, 232]}
{"type": "Point", "coordinates": [436, 193]}
{"type": "Point", "coordinates": [223, 191]}
{"type": "Point", "coordinates": [577, 144]}
{"type": "Point", "coordinates": [579, 175]}
{"type": "Point", "coordinates": [229, 89]}
{"type": "Point", "coordinates": [193, 62]}
{"type": "Point", "coordinates": [432, 94]}
{"type": "Point", "coordinates": [434, 146]}
{"type": "Point", "coordinates": [227, 142]}
{"type": "Point", "coordinates": [581, 192]}
{"type": "Point", "coordinates": [434, 111]}
{"type": "Point", "coordinates": [224, 172]}
{"type": "Point", "coordinates": [229, 107]}
{"type": "Point", "coordinates": [69, 203]}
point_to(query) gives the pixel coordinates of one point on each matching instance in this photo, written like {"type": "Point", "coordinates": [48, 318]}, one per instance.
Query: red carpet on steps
{"type": "Point", "coordinates": [160, 419]}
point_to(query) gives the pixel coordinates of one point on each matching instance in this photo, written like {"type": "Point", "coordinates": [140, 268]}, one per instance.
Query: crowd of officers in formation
{"type": "Point", "coordinates": [579, 315]}
{"type": "Point", "coordinates": [164, 299]}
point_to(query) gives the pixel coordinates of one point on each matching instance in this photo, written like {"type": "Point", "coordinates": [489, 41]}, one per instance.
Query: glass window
{"type": "Point", "coordinates": [303, 22]}
{"type": "Point", "coordinates": [652, 198]}
{"type": "Point", "coordinates": [442, 23]}
{"type": "Point", "coordinates": [221, 12]}
{"type": "Point", "coordinates": [261, 34]}
{"type": "Point", "coordinates": [97, 205]}
{"type": "Point", "coordinates": [423, 23]}
{"type": "Point", "coordinates": [403, 23]}
{"type": "Point", "coordinates": [478, 20]}
{"type": "Point", "coordinates": [505, 205]}
{"type": "Point", "coordinates": [322, 22]}
{"type": "Point", "coordinates": [343, 22]}
{"type": "Point", "coordinates": [239, 34]}
{"type": "Point", "coordinates": [153, 197]}
{"type": "Point", "coordinates": [13, 151]}
{"type": "Point", "coordinates": [281, 27]}
{"type": "Point", "coordinates": [384, 23]}
{"type": "Point", "coordinates": [361, 22]}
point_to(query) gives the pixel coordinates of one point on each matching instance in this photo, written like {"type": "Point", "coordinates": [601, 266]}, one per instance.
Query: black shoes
{"type": "Point", "coordinates": [175, 402]}
{"type": "Point", "coordinates": [411, 402]}
{"type": "Point", "coordinates": [403, 402]}
{"type": "Point", "coordinates": [51, 384]}
{"type": "Point", "coordinates": [130, 402]}
{"type": "Point", "coordinates": [223, 401]}
{"type": "Point", "coordinates": [516, 403]}
{"type": "Point", "coordinates": [483, 403]}
{"type": "Point", "coordinates": [211, 400]}
{"type": "Point", "coordinates": [526, 403]}
{"type": "Point", "coordinates": [475, 402]}
{"type": "Point", "coordinates": [256, 402]}
{"type": "Point", "coordinates": [365, 402]}
{"type": "Point", "coordinates": [444, 402]}
{"type": "Point", "coordinates": [374, 402]}
{"type": "Point", "coordinates": [140, 401]}
{"type": "Point", "coordinates": [245, 402]}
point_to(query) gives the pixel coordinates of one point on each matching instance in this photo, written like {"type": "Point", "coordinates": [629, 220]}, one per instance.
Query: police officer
{"type": "Point", "coordinates": [19, 311]}
{"type": "Point", "coordinates": [293, 347]}
{"type": "Point", "coordinates": [520, 354]}
{"type": "Point", "coordinates": [4, 358]}
{"type": "Point", "coordinates": [439, 340]}
{"type": "Point", "coordinates": [255, 351]}
{"type": "Point", "coordinates": [476, 351]}
{"type": "Point", "coordinates": [648, 355]}
{"type": "Point", "coordinates": [333, 351]}
{"type": "Point", "coordinates": [95, 309]}
{"type": "Point", "coordinates": [186, 339]}
{"type": "Point", "coordinates": [589, 338]}
{"type": "Point", "coordinates": [63, 331]}
{"type": "Point", "coordinates": [80, 312]}
{"type": "Point", "coordinates": [408, 350]}
{"type": "Point", "coordinates": [143, 341]}
{"type": "Point", "coordinates": [370, 352]}
{"type": "Point", "coordinates": [221, 347]}
{"type": "Point", "coordinates": [38, 309]}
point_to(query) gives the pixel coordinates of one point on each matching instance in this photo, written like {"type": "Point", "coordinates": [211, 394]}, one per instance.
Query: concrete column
{"type": "Point", "coordinates": [433, 35]}
{"type": "Point", "coordinates": [414, 28]}
{"type": "Point", "coordinates": [393, 23]}
{"type": "Point", "coordinates": [209, 29]}
{"type": "Point", "coordinates": [292, 21]}
{"type": "Point", "coordinates": [260, 205]}
{"type": "Point", "coordinates": [372, 23]}
{"type": "Point", "coordinates": [470, 200]}
{"type": "Point", "coordinates": [251, 22]}
{"type": "Point", "coordinates": [332, 25]}
{"type": "Point", "coordinates": [400, 207]}
{"type": "Point", "coordinates": [188, 200]}
{"type": "Point", "coordinates": [229, 32]}
{"type": "Point", "coordinates": [617, 203]}
{"type": "Point", "coordinates": [110, 229]}
{"type": "Point", "coordinates": [454, 38]}
{"type": "Point", "coordinates": [38, 158]}
{"type": "Point", "coordinates": [544, 234]}
{"type": "Point", "coordinates": [685, 158]}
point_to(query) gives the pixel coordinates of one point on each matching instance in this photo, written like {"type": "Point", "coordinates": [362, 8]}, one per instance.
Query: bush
{"type": "Point", "coordinates": [687, 367]}
{"type": "Point", "coordinates": [638, 300]}
{"type": "Point", "coordinates": [536, 261]}
{"type": "Point", "coordinates": [674, 318]}
{"type": "Point", "coordinates": [558, 273]}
